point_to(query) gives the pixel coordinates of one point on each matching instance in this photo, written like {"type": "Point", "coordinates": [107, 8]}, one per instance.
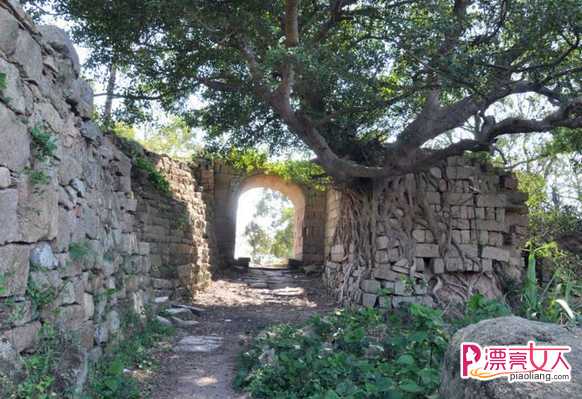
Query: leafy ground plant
{"type": "Point", "coordinates": [110, 378]}
{"type": "Point", "coordinates": [365, 353]}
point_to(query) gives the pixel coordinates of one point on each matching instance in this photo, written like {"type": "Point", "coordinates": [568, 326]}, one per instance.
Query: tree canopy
{"type": "Point", "coordinates": [364, 84]}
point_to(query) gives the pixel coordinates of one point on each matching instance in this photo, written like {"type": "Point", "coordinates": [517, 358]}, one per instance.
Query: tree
{"type": "Point", "coordinates": [258, 239]}
{"type": "Point", "coordinates": [365, 84]}
{"type": "Point", "coordinates": [174, 138]}
{"type": "Point", "coordinates": [282, 246]}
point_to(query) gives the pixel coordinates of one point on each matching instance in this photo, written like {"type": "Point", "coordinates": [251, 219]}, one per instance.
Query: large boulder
{"type": "Point", "coordinates": [505, 331]}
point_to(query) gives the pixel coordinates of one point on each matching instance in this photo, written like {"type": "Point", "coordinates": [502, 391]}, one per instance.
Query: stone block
{"type": "Point", "coordinates": [454, 264]}
{"type": "Point", "coordinates": [10, 31]}
{"type": "Point", "coordinates": [24, 337]}
{"type": "Point", "coordinates": [337, 253]}
{"type": "Point", "coordinates": [15, 148]}
{"type": "Point", "coordinates": [14, 267]}
{"type": "Point", "coordinates": [433, 197]}
{"type": "Point", "coordinates": [419, 264]}
{"type": "Point", "coordinates": [486, 265]}
{"type": "Point", "coordinates": [492, 200]}
{"type": "Point", "coordinates": [419, 235]}
{"type": "Point", "coordinates": [381, 257]}
{"type": "Point", "coordinates": [460, 198]}
{"type": "Point", "coordinates": [5, 179]}
{"type": "Point", "coordinates": [402, 288]}
{"type": "Point", "coordinates": [437, 265]}
{"type": "Point", "coordinates": [9, 231]}
{"type": "Point", "coordinates": [385, 272]}
{"type": "Point", "coordinates": [37, 209]}
{"type": "Point", "coordinates": [70, 317]}
{"type": "Point", "coordinates": [398, 301]}
{"type": "Point", "coordinates": [495, 253]}
{"type": "Point", "coordinates": [371, 286]}
{"type": "Point", "coordinates": [500, 214]}
{"type": "Point", "coordinates": [427, 251]}
{"type": "Point", "coordinates": [88, 306]}
{"type": "Point", "coordinates": [59, 40]}
{"type": "Point", "coordinates": [382, 242]}
{"type": "Point", "coordinates": [90, 131]}
{"type": "Point", "coordinates": [28, 55]}
{"type": "Point", "coordinates": [436, 172]}
{"type": "Point", "coordinates": [495, 239]}
{"type": "Point", "coordinates": [42, 257]}
{"type": "Point", "coordinates": [369, 300]}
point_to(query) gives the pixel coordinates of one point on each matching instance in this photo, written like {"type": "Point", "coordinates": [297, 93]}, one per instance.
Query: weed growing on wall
{"type": "Point", "coordinates": [78, 251]}
{"type": "Point", "coordinates": [44, 143]}
{"type": "Point", "coordinates": [37, 177]}
{"type": "Point", "coordinates": [2, 283]}
{"type": "Point", "coordinates": [3, 82]}
{"type": "Point", "coordinates": [39, 297]}
{"type": "Point", "coordinates": [44, 146]}
{"type": "Point", "coordinates": [157, 179]}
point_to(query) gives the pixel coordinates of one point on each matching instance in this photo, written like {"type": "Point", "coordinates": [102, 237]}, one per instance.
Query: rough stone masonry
{"type": "Point", "coordinates": [480, 220]}
{"type": "Point", "coordinates": [81, 241]}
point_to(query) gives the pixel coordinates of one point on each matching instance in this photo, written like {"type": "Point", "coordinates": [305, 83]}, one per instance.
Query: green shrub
{"type": "Point", "coordinates": [108, 379]}
{"type": "Point", "coordinates": [3, 83]}
{"type": "Point", "coordinates": [37, 177]}
{"type": "Point", "coordinates": [480, 308]}
{"type": "Point", "coordinates": [154, 176]}
{"type": "Point", "coordinates": [44, 143]}
{"type": "Point", "coordinates": [365, 353]}
{"type": "Point", "coordinates": [78, 251]}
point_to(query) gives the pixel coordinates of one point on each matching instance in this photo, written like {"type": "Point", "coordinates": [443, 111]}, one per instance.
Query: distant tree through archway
{"type": "Point", "coordinates": [287, 190]}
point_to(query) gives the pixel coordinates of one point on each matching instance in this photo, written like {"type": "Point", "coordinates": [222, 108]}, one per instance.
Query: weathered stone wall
{"type": "Point", "coordinates": [76, 229]}
{"type": "Point", "coordinates": [178, 228]}
{"type": "Point", "coordinates": [480, 222]}
{"type": "Point", "coordinates": [68, 254]}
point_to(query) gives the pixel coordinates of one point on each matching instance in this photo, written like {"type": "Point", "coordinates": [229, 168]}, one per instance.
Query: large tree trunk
{"type": "Point", "coordinates": [427, 237]}
{"type": "Point", "coordinates": [110, 93]}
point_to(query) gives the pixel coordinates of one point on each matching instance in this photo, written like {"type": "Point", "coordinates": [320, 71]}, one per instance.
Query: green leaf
{"type": "Point", "coordinates": [331, 395]}
{"type": "Point", "coordinates": [406, 360]}
{"type": "Point", "coordinates": [411, 387]}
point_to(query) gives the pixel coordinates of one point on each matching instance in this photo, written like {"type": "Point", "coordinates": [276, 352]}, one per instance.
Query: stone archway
{"type": "Point", "coordinates": [291, 191]}
{"type": "Point", "coordinates": [227, 184]}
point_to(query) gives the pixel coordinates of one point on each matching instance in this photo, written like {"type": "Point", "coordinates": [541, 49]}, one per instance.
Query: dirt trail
{"type": "Point", "coordinates": [201, 364]}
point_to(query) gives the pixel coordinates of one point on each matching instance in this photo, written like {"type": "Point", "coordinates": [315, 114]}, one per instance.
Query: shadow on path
{"type": "Point", "coordinates": [201, 364]}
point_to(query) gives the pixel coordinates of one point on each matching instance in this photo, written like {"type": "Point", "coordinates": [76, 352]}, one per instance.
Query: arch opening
{"type": "Point", "coordinates": [269, 221]}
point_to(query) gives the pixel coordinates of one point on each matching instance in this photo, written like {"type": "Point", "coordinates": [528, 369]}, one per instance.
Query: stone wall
{"type": "Point", "coordinates": [79, 222]}
{"type": "Point", "coordinates": [177, 227]}
{"type": "Point", "coordinates": [480, 222]}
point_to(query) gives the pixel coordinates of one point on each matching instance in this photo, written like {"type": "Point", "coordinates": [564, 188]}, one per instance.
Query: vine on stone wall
{"type": "Point", "coordinates": [394, 208]}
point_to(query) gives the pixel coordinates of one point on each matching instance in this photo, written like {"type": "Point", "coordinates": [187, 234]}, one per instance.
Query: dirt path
{"type": "Point", "coordinates": [201, 364]}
